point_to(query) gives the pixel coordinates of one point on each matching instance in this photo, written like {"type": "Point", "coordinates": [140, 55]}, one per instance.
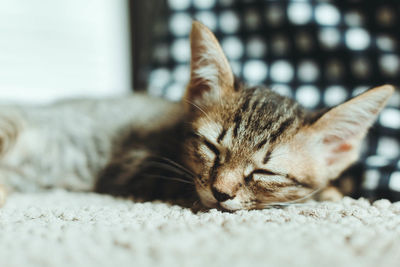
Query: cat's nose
{"type": "Point", "coordinates": [220, 196]}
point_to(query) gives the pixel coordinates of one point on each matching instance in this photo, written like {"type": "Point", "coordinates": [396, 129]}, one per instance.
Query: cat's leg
{"type": "Point", "coordinates": [42, 148]}
{"type": "Point", "coordinates": [11, 124]}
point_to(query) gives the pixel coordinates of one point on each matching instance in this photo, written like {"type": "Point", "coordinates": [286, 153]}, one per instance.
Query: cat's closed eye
{"type": "Point", "coordinates": [211, 147]}
{"type": "Point", "coordinates": [256, 174]}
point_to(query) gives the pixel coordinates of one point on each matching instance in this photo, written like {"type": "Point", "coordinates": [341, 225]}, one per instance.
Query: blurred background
{"type": "Point", "coordinates": [51, 49]}
{"type": "Point", "coordinates": [318, 52]}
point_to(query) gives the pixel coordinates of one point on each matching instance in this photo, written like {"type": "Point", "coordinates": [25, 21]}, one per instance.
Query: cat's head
{"type": "Point", "coordinates": [250, 147]}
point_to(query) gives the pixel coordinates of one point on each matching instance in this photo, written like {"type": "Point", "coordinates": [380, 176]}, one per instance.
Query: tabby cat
{"type": "Point", "coordinates": [238, 147]}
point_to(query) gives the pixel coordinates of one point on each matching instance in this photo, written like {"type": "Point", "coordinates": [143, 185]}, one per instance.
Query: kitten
{"type": "Point", "coordinates": [239, 147]}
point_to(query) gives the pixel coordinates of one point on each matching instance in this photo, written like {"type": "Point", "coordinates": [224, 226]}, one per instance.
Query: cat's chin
{"type": "Point", "coordinates": [229, 205]}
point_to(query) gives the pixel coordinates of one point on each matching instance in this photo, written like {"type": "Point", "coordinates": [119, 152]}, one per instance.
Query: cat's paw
{"type": "Point", "coordinates": [330, 193]}
{"type": "Point", "coordinates": [11, 124]}
{"type": "Point", "coordinates": [3, 194]}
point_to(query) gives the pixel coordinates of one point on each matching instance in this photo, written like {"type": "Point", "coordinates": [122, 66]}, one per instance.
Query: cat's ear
{"type": "Point", "coordinates": [338, 134]}
{"type": "Point", "coordinates": [210, 73]}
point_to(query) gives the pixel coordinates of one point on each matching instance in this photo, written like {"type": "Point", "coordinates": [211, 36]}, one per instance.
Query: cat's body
{"type": "Point", "coordinates": [70, 143]}
{"type": "Point", "coordinates": [240, 147]}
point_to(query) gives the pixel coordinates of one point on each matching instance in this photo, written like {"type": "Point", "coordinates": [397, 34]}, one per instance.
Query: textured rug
{"type": "Point", "coordinates": [59, 228]}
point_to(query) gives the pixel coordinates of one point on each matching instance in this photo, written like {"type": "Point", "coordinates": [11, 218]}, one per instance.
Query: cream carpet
{"type": "Point", "coordinates": [60, 228]}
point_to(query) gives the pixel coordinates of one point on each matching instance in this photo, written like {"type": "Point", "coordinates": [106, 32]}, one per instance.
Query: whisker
{"type": "Point", "coordinates": [290, 202]}
{"type": "Point", "coordinates": [177, 179]}
{"type": "Point", "coordinates": [200, 109]}
{"type": "Point", "coordinates": [177, 165]}
{"type": "Point", "coordinates": [168, 167]}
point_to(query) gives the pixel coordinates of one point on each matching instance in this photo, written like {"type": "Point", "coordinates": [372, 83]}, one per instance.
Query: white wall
{"type": "Point", "coordinates": [50, 49]}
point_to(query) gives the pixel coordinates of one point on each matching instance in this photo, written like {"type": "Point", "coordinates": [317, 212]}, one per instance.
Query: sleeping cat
{"type": "Point", "coordinates": [237, 147]}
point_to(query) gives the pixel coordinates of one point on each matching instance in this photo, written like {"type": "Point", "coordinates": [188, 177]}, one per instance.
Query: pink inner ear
{"type": "Point", "coordinates": [340, 144]}
{"type": "Point", "coordinates": [336, 145]}
{"type": "Point", "coordinates": [343, 148]}
{"type": "Point", "coordinates": [336, 152]}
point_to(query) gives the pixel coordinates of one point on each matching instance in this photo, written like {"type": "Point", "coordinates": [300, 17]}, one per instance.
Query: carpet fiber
{"type": "Point", "coordinates": [59, 228]}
